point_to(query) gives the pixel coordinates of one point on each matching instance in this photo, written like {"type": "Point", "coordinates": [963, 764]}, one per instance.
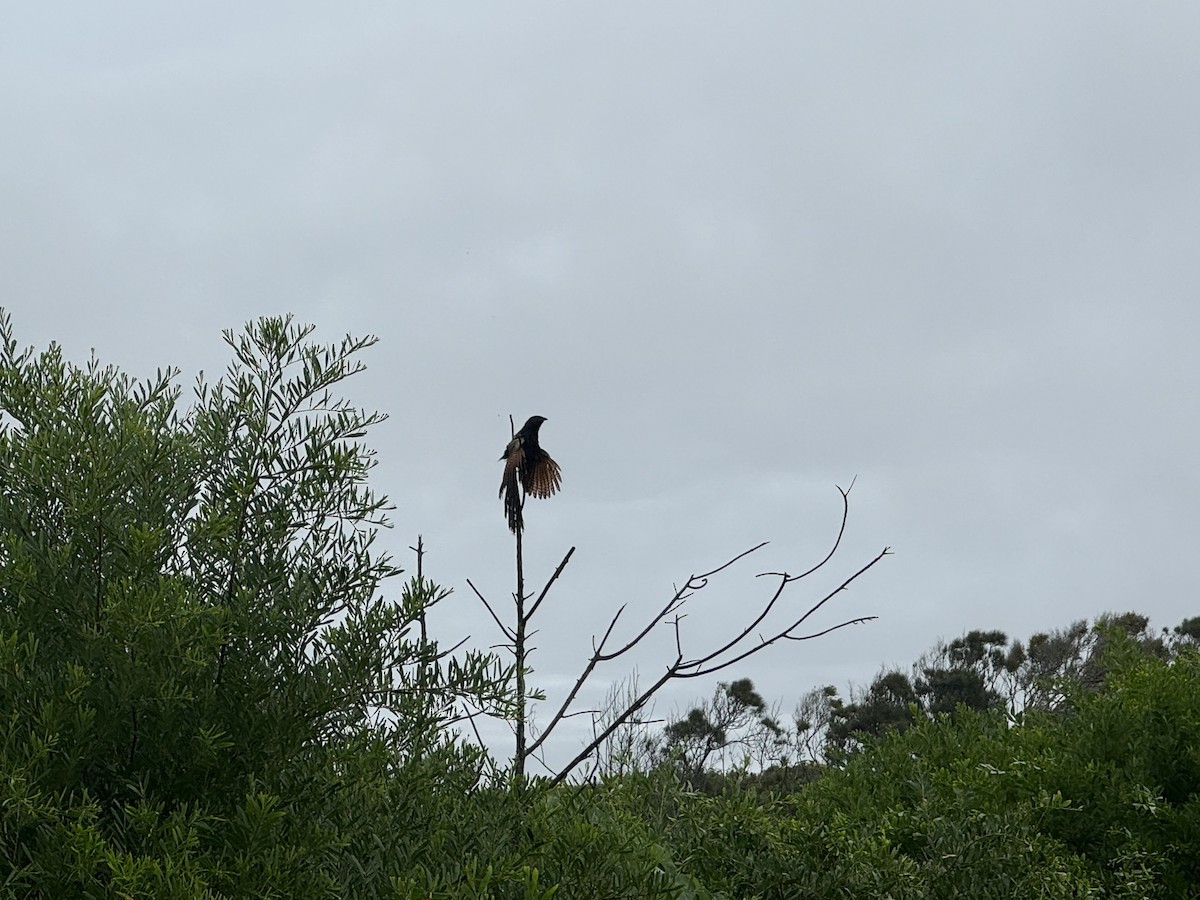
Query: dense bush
{"type": "Point", "coordinates": [202, 684]}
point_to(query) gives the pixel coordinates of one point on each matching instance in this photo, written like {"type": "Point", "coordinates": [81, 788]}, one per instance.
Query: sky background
{"type": "Point", "coordinates": [737, 254]}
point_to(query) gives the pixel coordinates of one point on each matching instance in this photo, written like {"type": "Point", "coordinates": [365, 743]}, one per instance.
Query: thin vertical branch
{"type": "Point", "coordinates": [519, 651]}
{"type": "Point", "coordinates": [420, 551]}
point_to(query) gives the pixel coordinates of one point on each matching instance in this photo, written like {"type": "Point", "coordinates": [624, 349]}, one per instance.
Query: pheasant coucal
{"type": "Point", "coordinates": [529, 465]}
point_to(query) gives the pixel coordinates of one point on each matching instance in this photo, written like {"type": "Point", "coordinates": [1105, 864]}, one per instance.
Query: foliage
{"type": "Point", "coordinates": [735, 722]}
{"type": "Point", "coordinates": [209, 688]}
{"type": "Point", "coordinates": [193, 645]}
{"type": "Point", "coordinates": [979, 805]}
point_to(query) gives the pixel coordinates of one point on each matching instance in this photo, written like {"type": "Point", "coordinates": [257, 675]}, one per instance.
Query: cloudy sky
{"type": "Point", "coordinates": [737, 254]}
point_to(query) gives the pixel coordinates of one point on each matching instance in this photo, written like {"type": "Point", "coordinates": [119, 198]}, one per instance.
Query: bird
{"type": "Point", "coordinates": [526, 464]}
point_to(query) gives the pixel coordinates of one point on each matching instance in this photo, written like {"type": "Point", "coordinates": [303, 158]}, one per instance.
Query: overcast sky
{"type": "Point", "coordinates": [737, 254]}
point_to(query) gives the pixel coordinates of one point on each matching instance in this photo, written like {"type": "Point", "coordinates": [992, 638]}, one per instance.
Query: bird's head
{"type": "Point", "coordinates": [533, 424]}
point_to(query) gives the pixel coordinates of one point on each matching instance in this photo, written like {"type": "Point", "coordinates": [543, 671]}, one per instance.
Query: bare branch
{"type": "Point", "coordinates": [766, 643]}
{"type": "Point", "coordinates": [697, 667]}
{"type": "Point", "coordinates": [886, 551]}
{"type": "Point", "coordinates": [724, 566]}
{"type": "Point", "coordinates": [693, 584]}
{"type": "Point", "coordinates": [608, 631]}
{"type": "Point", "coordinates": [728, 653]}
{"type": "Point", "coordinates": [816, 634]}
{"type": "Point", "coordinates": [566, 704]}
{"type": "Point", "coordinates": [701, 670]}
{"type": "Point", "coordinates": [753, 625]}
{"type": "Point", "coordinates": [504, 628]}
{"type": "Point", "coordinates": [641, 700]}
{"type": "Point", "coordinates": [542, 596]}
{"type": "Point", "coordinates": [836, 543]}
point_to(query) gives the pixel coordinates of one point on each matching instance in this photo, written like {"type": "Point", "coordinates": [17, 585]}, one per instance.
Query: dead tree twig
{"type": "Point", "coordinates": [712, 661]}
{"type": "Point", "coordinates": [728, 653]}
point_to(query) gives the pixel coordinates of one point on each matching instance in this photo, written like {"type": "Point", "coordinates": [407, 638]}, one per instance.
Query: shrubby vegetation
{"type": "Point", "coordinates": [212, 684]}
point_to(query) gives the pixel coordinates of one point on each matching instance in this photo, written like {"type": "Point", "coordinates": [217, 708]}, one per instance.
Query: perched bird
{"type": "Point", "coordinates": [529, 465]}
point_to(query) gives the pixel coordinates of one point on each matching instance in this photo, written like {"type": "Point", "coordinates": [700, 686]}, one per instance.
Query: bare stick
{"type": "Point", "coordinates": [519, 652]}
{"type": "Point", "coordinates": [504, 628]}
{"type": "Point", "coordinates": [542, 596]}
{"type": "Point", "coordinates": [710, 662]}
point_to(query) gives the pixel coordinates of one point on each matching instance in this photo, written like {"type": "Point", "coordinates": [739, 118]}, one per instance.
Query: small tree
{"type": "Point", "coordinates": [891, 703]}
{"type": "Point", "coordinates": [734, 721]}
{"type": "Point", "coordinates": [750, 639]}
{"type": "Point", "coordinates": [193, 623]}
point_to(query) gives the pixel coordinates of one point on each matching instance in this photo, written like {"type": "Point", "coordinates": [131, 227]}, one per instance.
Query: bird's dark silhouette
{"type": "Point", "coordinates": [528, 469]}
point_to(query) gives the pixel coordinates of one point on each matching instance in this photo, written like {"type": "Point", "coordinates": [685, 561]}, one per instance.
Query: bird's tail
{"type": "Point", "coordinates": [512, 500]}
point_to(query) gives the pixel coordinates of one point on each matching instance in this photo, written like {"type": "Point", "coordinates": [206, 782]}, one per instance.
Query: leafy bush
{"type": "Point", "coordinates": [194, 648]}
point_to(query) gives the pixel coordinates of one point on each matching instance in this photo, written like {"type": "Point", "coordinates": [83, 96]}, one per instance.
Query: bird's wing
{"type": "Point", "coordinates": [543, 478]}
